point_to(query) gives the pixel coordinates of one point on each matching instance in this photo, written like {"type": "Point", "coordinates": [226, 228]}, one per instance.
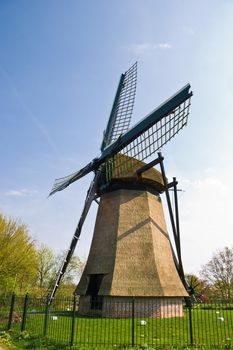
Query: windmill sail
{"type": "Point", "coordinates": [61, 183]}
{"type": "Point", "coordinates": [149, 135]}
{"type": "Point", "coordinates": [122, 108]}
{"type": "Point", "coordinates": [118, 123]}
{"type": "Point", "coordinates": [141, 141]}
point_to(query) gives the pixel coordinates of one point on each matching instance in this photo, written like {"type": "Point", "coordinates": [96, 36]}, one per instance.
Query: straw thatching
{"type": "Point", "coordinates": [131, 247]}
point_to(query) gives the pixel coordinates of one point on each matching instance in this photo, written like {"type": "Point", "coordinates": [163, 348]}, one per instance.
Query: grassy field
{"type": "Point", "coordinates": [15, 340]}
{"type": "Point", "coordinates": [211, 328]}
{"type": "Point", "coordinates": [24, 340]}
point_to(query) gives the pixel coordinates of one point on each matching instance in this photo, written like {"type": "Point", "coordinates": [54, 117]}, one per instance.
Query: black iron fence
{"type": "Point", "coordinates": [118, 323]}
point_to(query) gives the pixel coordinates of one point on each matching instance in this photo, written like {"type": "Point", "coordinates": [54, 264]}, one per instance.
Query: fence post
{"type": "Point", "coordinates": [11, 311]}
{"type": "Point", "coordinates": [189, 306]}
{"type": "Point", "coordinates": [133, 316]}
{"type": "Point", "coordinates": [73, 320]}
{"type": "Point", "coordinates": [25, 305]}
{"type": "Point", "coordinates": [46, 316]}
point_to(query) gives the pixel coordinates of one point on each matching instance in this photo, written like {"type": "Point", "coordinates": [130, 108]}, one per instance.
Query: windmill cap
{"type": "Point", "coordinates": [124, 173]}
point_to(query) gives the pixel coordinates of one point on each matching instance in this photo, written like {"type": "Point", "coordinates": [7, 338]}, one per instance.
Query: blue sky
{"type": "Point", "coordinates": [60, 63]}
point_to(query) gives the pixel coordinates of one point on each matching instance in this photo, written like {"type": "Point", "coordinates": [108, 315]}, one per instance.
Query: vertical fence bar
{"type": "Point", "coordinates": [189, 307]}
{"type": "Point", "coordinates": [73, 320]}
{"type": "Point", "coordinates": [204, 325]}
{"type": "Point", "coordinates": [133, 316]}
{"type": "Point", "coordinates": [46, 315]}
{"type": "Point", "coordinates": [25, 306]}
{"type": "Point", "coordinates": [13, 297]}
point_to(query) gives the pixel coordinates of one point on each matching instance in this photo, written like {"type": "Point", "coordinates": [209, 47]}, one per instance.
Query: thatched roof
{"type": "Point", "coordinates": [131, 248]}
{"type": "Point", "coordinates": [125, 168]}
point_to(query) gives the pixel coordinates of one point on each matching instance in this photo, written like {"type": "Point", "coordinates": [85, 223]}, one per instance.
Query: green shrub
{"type": "Point", "coordinates": [5, 339]}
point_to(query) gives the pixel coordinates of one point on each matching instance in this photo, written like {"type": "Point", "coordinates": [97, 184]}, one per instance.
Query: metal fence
{"type": "Point", "coordinates": [200, 324]}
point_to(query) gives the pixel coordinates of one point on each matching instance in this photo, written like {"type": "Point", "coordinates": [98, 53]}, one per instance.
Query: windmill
{"type": "Point", "coordinates": [130, 230]}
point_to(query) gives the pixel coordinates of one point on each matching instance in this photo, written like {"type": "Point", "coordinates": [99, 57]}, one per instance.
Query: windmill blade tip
{"type": "Point", "coordinates": [188, 86]}
{"type": "Point", "coordinates": [50, 194]}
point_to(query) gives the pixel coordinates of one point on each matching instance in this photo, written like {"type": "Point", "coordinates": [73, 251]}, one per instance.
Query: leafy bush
{"type": "Point", "coordinates": [5, 339]}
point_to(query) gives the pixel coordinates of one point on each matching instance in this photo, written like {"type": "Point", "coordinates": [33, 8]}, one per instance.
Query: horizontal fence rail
{"type": "Point", "coordinates": [120, 322]}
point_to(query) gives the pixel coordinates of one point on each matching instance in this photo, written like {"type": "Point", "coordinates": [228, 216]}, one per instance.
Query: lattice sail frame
{"type": "Point", "coordinates": [138, 143]}
{"type": "Point", "coordinates": [122, 108]}
{"type": "Point", "coordinates": [149, 142]}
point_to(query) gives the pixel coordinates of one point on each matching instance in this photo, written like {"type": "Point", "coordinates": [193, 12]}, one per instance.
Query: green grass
{"type": "Point", "coordinates": [23, 340]}
{"type": "Point", "coordinates": [158, 333]}
{"type": "Point", "coordinates": [93, 332]}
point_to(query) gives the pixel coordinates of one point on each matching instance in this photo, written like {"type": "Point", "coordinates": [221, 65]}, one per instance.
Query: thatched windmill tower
{"type": "Point", "coordinates": [131, 253]}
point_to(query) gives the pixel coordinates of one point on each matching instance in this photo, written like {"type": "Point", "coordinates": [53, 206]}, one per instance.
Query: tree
{"type": "Point", "coordinates": [199, 288]}
{"type": "Point", "coordinates": [71, 276]}
{"type": "Point", "coordinates": [18, 259]}
{"type": "Point", "coordinates": [45, 265]}
{"type": "Point", "coordinates": [24, 266]}
{"type": "Point", "coordinates": [74, 268]}
{"type": "Point", "coordinates": [219, 273]}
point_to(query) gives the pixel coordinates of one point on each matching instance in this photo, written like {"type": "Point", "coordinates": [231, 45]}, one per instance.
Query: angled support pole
{"type": "Point", "coordinates": [181, 270]}
{"type": "Point", "coordinates": [89, 198]}
{"type": "Point", "coordinates": [168, 198]}
{"type": "Point", "coordinates": [177, 220]}
{"type": "Point", "coordinates": [148, 166]}
{"type": "Point", "coordinates": [175, 224]}
{"type": "Point", "coordinates": [174, 217]}
{"type": "Point", "coordinates": [97, 201]}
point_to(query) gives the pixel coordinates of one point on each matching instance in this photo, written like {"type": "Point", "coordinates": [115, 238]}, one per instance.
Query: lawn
{"type": "Point", "coordinates": [210, 328]}
{"type": "Point", "coordinates": [211, 325]}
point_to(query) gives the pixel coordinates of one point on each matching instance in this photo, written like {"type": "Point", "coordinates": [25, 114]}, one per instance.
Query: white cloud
{"type": "Point", "coordinates": [164, 46]}
{"type": "Point", "coordinates": [148, 47]}
{"type": "Point", "coordinates": [21, 193]}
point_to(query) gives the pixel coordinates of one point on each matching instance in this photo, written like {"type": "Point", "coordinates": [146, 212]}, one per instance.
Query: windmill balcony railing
{"type": "Point", "coordinates": [205, 325]}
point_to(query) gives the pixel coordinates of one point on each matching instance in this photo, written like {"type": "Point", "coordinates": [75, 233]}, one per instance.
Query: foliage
{"type": "Point", "coordinates": [45, 270]}
{"type": "Point", "coordinates": [48, 267]}
{"type": "Point", "coordinates": [5, 339]}
{"type": "Point", "coordinates": [45, 265]}
{"type": "Point", "coordinates": [18, 259]}
{"type": "Point", "coordinates": [200, 288]}
{"type": "Point", "coordinates": [29, 267]}
{"type": "Point", "coordinates": [74, 269]}
{"type": "Point", "coordinates": [219, 273]}
{"type": "Point", "coordinates": [71, 276]}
